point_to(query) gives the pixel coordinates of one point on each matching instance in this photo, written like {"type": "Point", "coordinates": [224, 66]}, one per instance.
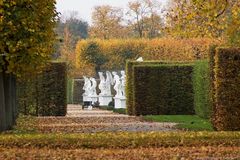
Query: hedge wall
{"type": "Point", "coordinates": [129, 82]}
{"type": "Point", "coordinates": [163, 89]}
{"type": "Point", "coordinates": [226, 113]}
{"type": "Point", "coordinates": [46, 93]}
{"type": "Point", "coordinates": [212, 53]}
{"type": "Point", "coordinates": [78, 91]}
{"type": "Point", "coordinates": [53, 91]}
{"type": "Point", "coordinates": [70, 91]}
{"type": "Point", "coordinates": [201, 84]}
{"type": "Point", "coordinates": [117, 51]}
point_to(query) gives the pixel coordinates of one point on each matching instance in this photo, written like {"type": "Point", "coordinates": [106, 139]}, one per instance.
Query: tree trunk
{"type": "Point", "coordinates": [8, 100]}
{"type": "Point", "coordinates": [2, 104]}
{"type": "Point", "coordinates": [8, 108]}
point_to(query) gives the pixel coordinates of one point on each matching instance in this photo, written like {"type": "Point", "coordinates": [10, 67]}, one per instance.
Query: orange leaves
{"type": "Point", "coordinates": [119, 50]}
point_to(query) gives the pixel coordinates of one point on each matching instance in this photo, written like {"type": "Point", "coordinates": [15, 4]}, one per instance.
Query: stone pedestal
{"type": "Point", "coordinates": [94, 99]}
{"type": "Point", "coordinates": [120, 102]}
{"type": "Point", "coordinates": [104, 100]}
{"type": "Point", "coordinates": [86, 98]}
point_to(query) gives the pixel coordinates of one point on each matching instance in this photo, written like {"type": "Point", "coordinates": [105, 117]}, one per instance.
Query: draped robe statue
{"type": "Point", "coordinates": [117, 84]}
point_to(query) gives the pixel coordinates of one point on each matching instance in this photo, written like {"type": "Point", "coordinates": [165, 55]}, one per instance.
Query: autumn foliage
{"type": "Point", "coordinates": [226, 111]}
{"type": "Point", "coordinates": [117, 51]}
{"type": "Point", "coordinates": [27, 34]}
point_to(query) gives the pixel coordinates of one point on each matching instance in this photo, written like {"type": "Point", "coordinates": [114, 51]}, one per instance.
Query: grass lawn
{"type": "Point", "coordinates": [186, 122]}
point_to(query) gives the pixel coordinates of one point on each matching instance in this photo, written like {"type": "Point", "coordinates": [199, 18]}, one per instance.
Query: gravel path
{"type": "Point", "coordinates": [85, 121]}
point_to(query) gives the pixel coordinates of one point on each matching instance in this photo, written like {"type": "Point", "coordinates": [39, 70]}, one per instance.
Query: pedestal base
{"type": "Point", "coordinates": [86, 98]}
{"type": "Point", "coordinates": [120, 102]}
{"type": "Point", "coordinates": [94, 99]}
{"type": "Point", "coordinates": [105, 100]}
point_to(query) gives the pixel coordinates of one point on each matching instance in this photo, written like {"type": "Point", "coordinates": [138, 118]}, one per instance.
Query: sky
{"type": "Point", "coordinates": [85, 7]}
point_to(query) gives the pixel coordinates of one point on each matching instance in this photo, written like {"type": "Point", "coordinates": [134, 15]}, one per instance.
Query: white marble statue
{"type": "Point", "coordinates": [123, 83]}
{"type": "Point", "coordinates": [140, 59]}
{"type": "Point", "coordinates": [102, 85]}
{"type": "Point", "coordinates": [117, 84]}
{"type": "Point", "coordinates": [93, 87]}
{"type": "Point", "coordinates": [109, 82]}
{"type": "Point", "coordinates": [87, 86]}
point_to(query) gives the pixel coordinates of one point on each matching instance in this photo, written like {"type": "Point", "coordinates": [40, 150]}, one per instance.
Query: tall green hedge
{"type": "Point", "coordinates": [70, 91]}
{"type": "Point", "coordinates": [226, 113]}
{"type": "Point", "coordinates": [53, 91]}
{"type": "Point", "coordinates": [129, 82]}
{"type": "Point", "coordinates": [201, 83]}
{"type": "Point", "coordinates": [162, 89]}
{"type": "Point", "coordinates": [78, 91]}
{"type": "Point", "coordinates": [46, 93]}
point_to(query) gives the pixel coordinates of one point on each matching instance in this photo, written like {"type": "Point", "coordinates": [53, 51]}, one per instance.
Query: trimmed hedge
{"type": "Point", "coordinates": [163, 89]}
{"type": "Point", "coordinates": [53, 91]}
{"type": "Point", "coordinates": [70, 91]}
{"type": "Point", "coordinates": [121, 140]}
{"type": "Point", "coordinates": [46, 93]}
{"type": "Point", "coordinates": [129, 82]}
{"type": "Point", "coordinates": [201, 85]}
{"type": "Point", "coordinates": [117, 51]}
{"type": "Point", "coordinates": [226, 114]}
{"type": "Point", "coordinates": [78, 91]}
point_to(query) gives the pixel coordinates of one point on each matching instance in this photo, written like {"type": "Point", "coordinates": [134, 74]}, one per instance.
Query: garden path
{"type": "Point", "coordinates": [86, 121]}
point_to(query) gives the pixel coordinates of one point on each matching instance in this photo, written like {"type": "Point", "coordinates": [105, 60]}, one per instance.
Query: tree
{"type": "Point", "coordinates": [26, 43]}
{"type": "Point", "coordinates": [70, 30]}
{"type": "Point", "coordinates": [77, 27]}
{"type": "Point", "coordinates": [145, 18]}
{"type": "Point", "coordinates": [107, 22]}
{"type": "Point", "coordinates": [91, 54]}
{"type": "Point", "coordinates": [199, 18]}
{"type": "Point", "coordinates": [27, 34]}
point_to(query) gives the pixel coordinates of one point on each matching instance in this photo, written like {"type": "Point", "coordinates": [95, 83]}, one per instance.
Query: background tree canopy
{"type": "Point", "coordinates": [27, 35]}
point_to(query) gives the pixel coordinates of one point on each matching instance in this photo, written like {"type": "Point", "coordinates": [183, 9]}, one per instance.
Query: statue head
{"type": "Point", "coordinates": [114, 73]}
{"type": "Point", "coordinates": [123, 73]}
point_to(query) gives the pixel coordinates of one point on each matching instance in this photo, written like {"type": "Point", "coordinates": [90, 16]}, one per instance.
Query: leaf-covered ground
{"type": "Point", "coordinates": [95, 135]}
{"type": "Point", "coordinates": [84, 121]}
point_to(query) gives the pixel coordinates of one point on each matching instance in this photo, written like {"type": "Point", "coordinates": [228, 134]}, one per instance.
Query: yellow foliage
{"type": "Point", "coordinates": [118, 51]}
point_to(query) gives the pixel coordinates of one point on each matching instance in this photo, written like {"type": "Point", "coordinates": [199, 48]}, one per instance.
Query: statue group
{"type": "Point", "coordinates": [105, 96]}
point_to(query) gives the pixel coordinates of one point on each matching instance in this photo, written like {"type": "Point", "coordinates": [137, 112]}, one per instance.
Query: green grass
{"type": "Point", "coordinates": [186, 122]}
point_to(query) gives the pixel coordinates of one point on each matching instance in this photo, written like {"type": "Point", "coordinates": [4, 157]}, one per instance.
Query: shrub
{"type": "Point", "coordinates": [117, 51]}
{"type": "Point", "coordinates": [70, 91]}
{"type": "Point", "coordinates": [78, 91]}
{"type": "Point", "coordinates": [44, 94]}
{"type": "Point", "coordinates": [212, 52]}
{"type": "Point", "coordinates": [129, 82]}
{"type": "Point", "coordinates": [201, 83]}
{"type": "Point", "coordinates": [226, 113]}
{"type": "Point", "coordinates": [120, 140]}
{"type": "Point", "coordinates": [163, 89]}
{"type": "Point", "coordinates": [53, 91]}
